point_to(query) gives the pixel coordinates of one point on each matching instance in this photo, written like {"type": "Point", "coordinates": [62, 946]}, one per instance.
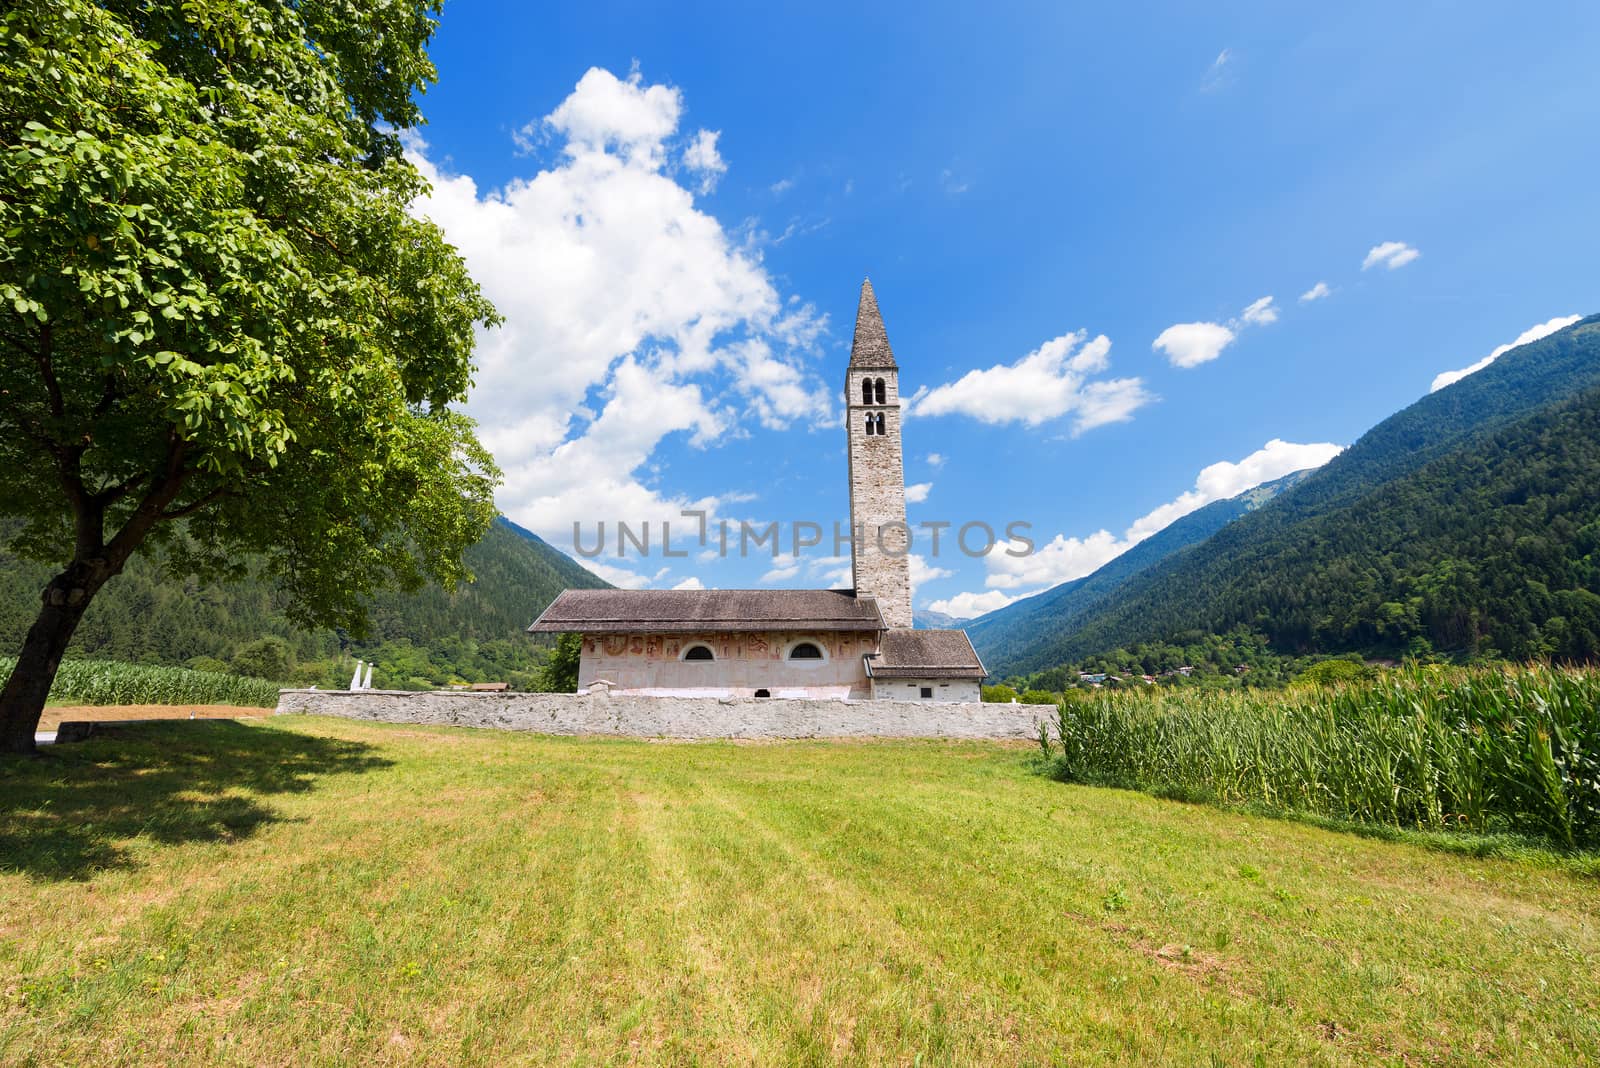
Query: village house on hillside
{"type": "Point", "coordinates": [855, 643]}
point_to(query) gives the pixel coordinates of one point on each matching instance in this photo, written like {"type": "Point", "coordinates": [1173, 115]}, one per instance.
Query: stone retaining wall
{"type": "Point", "coordinates": [674, 717]}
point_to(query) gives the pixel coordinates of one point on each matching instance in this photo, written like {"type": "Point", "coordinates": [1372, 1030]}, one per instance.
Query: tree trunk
{"type": "Point", "coordinates": [22, 700]}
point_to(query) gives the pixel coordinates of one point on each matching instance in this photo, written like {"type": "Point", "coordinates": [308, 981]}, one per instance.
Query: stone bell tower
{"type": "Point", "coordinates": [880, 538]}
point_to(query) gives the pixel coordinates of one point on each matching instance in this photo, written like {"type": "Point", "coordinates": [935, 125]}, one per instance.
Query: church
{"type": "Point", "coordinates": [849, 644]}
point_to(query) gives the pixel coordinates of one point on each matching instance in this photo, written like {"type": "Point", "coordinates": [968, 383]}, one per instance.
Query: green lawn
{"type": "Point", "coordinates": [320, 891]}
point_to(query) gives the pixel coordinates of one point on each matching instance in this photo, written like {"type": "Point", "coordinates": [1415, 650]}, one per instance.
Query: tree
{"type": "Point", "coordinates": [222, 334]}
{"type": "Point", "coordinates": [560, 674]}
{"type": "Point", "coordinates": [265, 658]}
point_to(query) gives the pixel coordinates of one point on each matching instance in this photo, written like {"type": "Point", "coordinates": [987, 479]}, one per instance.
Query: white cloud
{"type": "Point", "coordinates": [606, 113]}
{"type": "Point", "coordinates": [969, 605]}
{"type": "Point", "coordinates": [922, 571]}
{"type": "Point", "coordinates": [1316, 292]}
{"type": "Point", "coordinates": [617, 576]}
{"type": "Point", "coordinates": [1192, 344]}
{"type": "Point", "coordinates": [1390, 254]}
{"type": "Point", "coordinates": [690, 583]}
{"type": "Point", "coordinates": [1063, 559]}
{"type": "Point", "coordinates": [1533, 333]}
{"type": "Point", "coordinates": [702, 158]}
{"type": "Point", "coordinates": [1219, 73]}
{"type": "Point", "coordinates": [630, 314]}
{"type": "Point", "coordinates": [918, 492]}
{"type": "Point", "coordinates": [781, 186]}
{"type": "Point", "coordinates": [826, 571]}
{"type": "Point", "coordinates": [1260, 312]}
{"type": "Point", "coordinates": [1052, 381]}
{"type": "Point", "coordinates": [935, 459]}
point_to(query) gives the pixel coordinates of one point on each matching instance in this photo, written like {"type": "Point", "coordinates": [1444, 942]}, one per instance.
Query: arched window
{"type": "Point", "coordinates": [866, 391]}
{"type": "Point", "coordinates": [880, 424]}
{"type": "Point", "coordinates": [698, 652]}
{"type": "Point", "coordinates": [870, 424]}
{"type": "Point", "coordinates": [805, 651]}
{"type": "Point", "coordinates": [879, 387]}
{"type": "Point", "coordinates": [763, 693]}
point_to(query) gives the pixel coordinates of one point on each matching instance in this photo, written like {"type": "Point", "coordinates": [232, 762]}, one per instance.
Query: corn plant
{"type": "Point", "coordinates": [1488, 749]}
{"type": "Point", "coordinates": [109, 682]}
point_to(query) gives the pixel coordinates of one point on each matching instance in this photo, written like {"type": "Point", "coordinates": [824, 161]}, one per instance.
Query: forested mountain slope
{"type": "Point", "coordinates": [1004, 636]}
{"type": "Point", "coordinates": [144, 616]}
{"type": "Point", "coordinates": [1467, 523]}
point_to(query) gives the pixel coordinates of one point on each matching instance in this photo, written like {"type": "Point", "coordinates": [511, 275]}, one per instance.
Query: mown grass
{"type": "Point", "coordinates": [111, 682]}
{"type": "Point", "coordinates": [321, 891]}
{"type": "Point", "coordinates": [1507, 750]}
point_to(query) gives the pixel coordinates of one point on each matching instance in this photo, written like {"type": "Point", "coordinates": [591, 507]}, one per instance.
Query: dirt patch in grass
{"type": "Point", "coordinates": [56, 715]}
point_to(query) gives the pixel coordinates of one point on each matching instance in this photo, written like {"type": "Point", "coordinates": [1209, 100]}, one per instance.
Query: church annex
{"type": "Point", "coordinates": [856, 643]}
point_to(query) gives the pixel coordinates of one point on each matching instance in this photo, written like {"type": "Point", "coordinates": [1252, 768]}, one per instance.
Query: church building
{"type": "Point", "coordinates": [856, 643]}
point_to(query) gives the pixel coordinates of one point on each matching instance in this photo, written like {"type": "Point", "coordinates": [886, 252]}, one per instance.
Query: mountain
{"type": "Point", "coordinates": [1468, 522]}
{"type": "Point", "coordinates": [145, 616]}
{"type": "Point", "coordinates": [1004, 636]}
{"type": "Point", "coordinates": [926, 619]}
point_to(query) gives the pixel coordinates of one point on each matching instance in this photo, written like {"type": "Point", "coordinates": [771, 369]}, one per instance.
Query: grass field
{"type": "Point", "coordinates": [304, 890]}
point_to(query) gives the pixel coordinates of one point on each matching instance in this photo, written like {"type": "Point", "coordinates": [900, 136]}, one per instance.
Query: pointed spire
{"type": "Point", "coordinates": [871, 345]}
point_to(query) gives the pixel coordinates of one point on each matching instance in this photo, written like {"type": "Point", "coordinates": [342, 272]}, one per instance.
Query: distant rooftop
{"type": "Point", "coordinates": [926, 654]}
{"type": "Point", "coordinates": [663, 611]}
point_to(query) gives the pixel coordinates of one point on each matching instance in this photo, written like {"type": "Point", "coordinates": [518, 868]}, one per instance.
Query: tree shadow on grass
{"type": "Point", "coordinates": [78, 809]}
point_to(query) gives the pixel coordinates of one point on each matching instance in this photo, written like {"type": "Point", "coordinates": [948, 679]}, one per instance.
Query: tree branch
{"type": "Point", "coordinates": [194, 506]}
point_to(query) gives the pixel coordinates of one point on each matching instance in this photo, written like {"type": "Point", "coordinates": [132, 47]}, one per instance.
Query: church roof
{"type": "Point", "coordinates": [871, 345]}
{"type": "Point", "coordinates": [904, 653]}
{"type": "Point", "coordinates": [670, 611]}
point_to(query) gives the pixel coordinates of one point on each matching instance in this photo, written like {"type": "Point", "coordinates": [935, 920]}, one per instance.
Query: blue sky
{"type": "Point", "coordinates": [674, 205]}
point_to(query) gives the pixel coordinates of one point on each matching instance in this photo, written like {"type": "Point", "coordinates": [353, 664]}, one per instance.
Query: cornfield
{"type": "Point", "coordinates": [1488, 750]}
{"type": "Point", "coordinates": [108, 682]}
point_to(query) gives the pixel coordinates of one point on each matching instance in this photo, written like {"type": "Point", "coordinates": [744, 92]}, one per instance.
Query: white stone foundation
{"type": "Point", "coordinates": [675, 717]}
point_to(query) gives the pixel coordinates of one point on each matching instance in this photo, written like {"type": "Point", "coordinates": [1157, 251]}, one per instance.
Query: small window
{"type": "Point", "coordinates": [880, 424]}
{"type": "Point", "coordinates": [698, 652]}
{"type": "Point", "coordinates": [866, 391]}
{"type": "Point", "coordinates": [927, 691]}
{"type": "Point", "coordinates": [878, 386]}
{"type": "Point", "coordinates": [763, 693]}
{"type": "Point", "coordinates": [805, 651]}
{"type": "Point", "coordinates": [870, 424]}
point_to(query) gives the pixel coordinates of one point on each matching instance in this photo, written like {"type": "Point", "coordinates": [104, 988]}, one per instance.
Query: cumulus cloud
{"type": "Point", "coordinates": [702, 159]}
{"type": "Point", "coordinates": [1054, 380]}
{"type": "Point", "coordinates": [622, 577]}
{"type": "Point", "coordinates": [1316, 292]}
{"type": "Point", "coordinates": [1192, 344]}
{"type": "Point", "coordinates": [935, 459]}
{"type": "Point", "coordinates": [630, 314]}
{"type": "Point", "coordinates": [1533, 333]}
{"type": "Point", "coordinates": [918, 492]}
{"type": "Point", "coordinates": [690, 583]}
{"type": "Point", "coordinates": [971, 605]}
{"type": "Point", "coordinates": [1063, 558]}
{"type": "Point", "coordinates": [922, 571]}
{"type": "Point", "coordinates": [1390, 254]}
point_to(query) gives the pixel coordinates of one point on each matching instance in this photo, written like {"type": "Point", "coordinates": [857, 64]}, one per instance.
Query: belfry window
{"type": "Point", "coordinates": [878, 387]}
{"type": "Point", "coordinates": [698, 652]}
{"type": "Point", "coordinates": [879, 430]}
{"type": "Point", "coordinates": [866, 391]}
{"type": "Point", "coordinates": [805, 651]}
{"type": "Point", "coordinates": [870, 424]}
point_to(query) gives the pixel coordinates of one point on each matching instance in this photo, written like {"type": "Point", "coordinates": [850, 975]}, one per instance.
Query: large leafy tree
{"type": "Point", "coordinates": [222, 335]}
